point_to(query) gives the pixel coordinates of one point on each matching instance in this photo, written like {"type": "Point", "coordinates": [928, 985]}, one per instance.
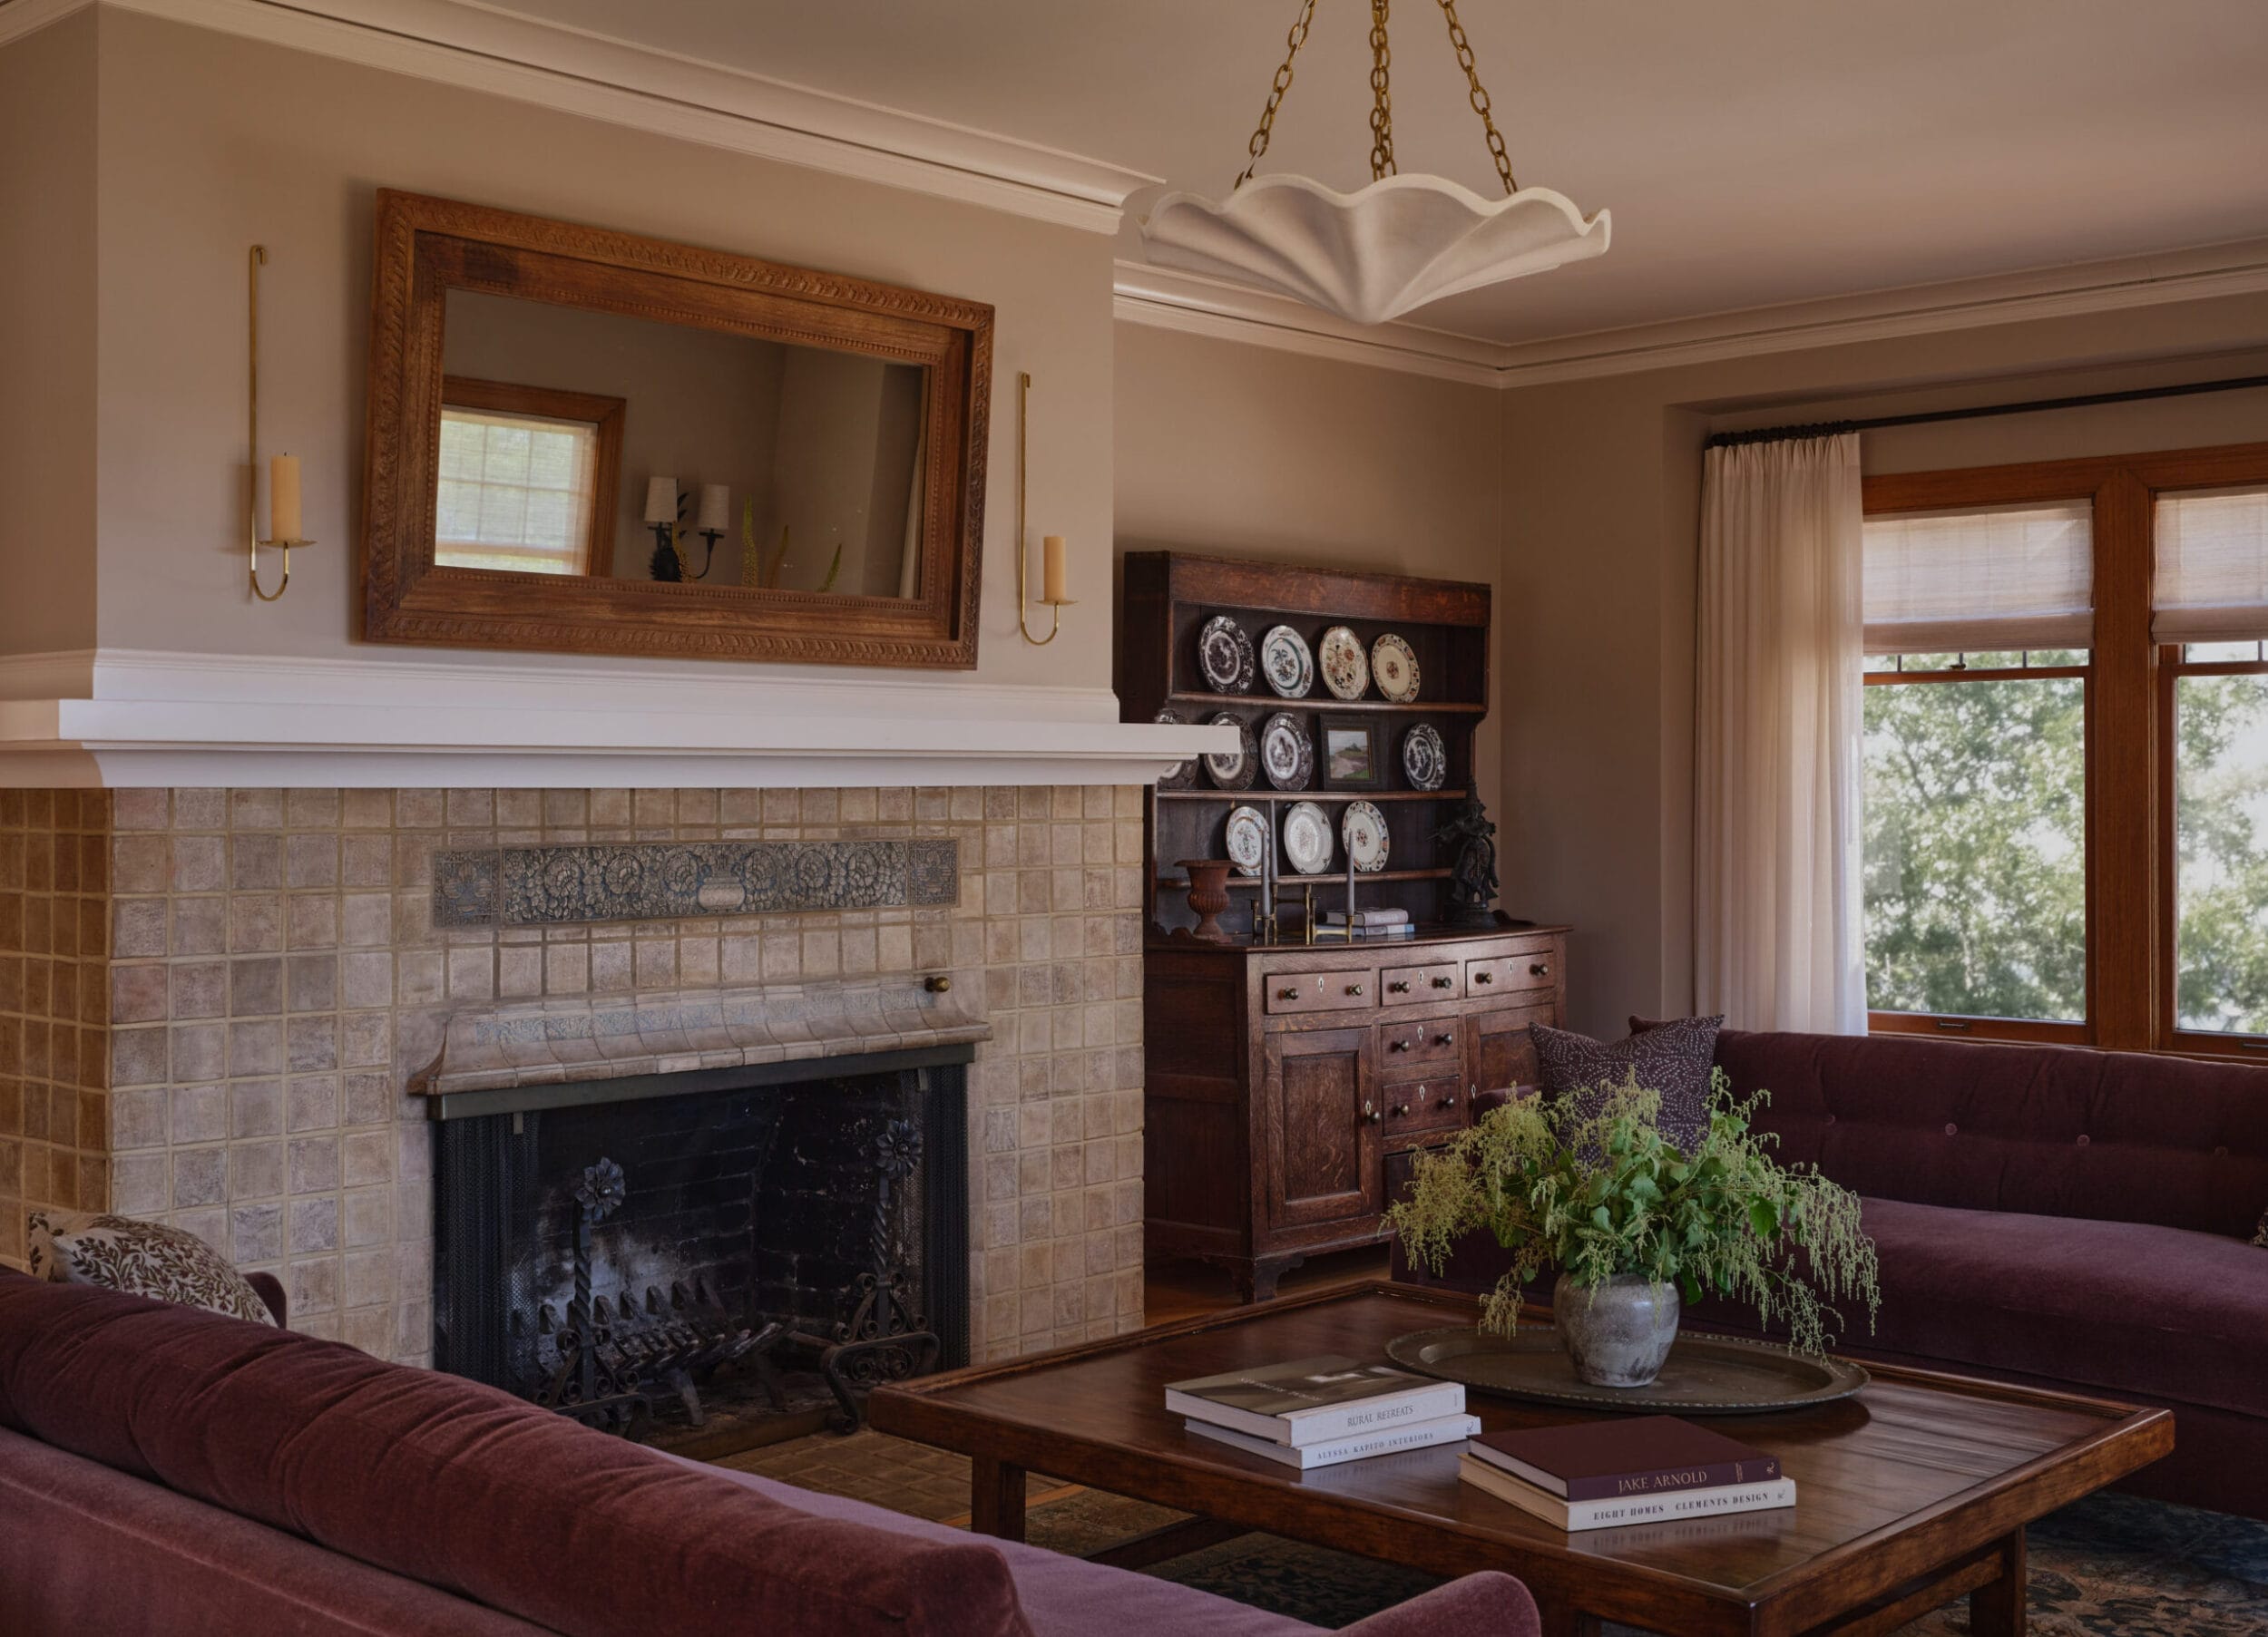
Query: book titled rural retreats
{"type": "Point", "coordinates": [1308, 1401]}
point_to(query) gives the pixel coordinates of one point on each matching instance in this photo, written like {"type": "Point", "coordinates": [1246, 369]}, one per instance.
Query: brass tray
{"type": "Point", "coordinates": [1706, 1375]}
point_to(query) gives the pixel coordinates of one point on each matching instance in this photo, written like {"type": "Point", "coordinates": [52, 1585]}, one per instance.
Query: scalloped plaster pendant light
{"type": "Point", "coordinates": [1373, 254]}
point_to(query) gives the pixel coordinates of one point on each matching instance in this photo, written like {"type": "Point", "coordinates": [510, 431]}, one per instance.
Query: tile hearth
{"type": "Point", "coordinates": [213, 1002]}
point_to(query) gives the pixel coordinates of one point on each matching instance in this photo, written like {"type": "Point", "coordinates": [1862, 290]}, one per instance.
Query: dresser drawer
{"type": "Point", "coordinates": [1407, 985]}
{"type": "Point", "coordinates": [1431, 1104]}
{"type": "Point", "coordinates": [1286, 992]}
{"type": "Point", "coordinates": [1424, 1040]}
{"type": "Point", "coordinates": [1505, 974]}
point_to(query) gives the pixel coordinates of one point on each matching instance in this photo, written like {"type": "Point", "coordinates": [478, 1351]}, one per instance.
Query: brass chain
{"type": "Point", "coordinates": [1382, 100]}
{"type": "Point", "coordinates": [1259, 144]}
{"type": "Point", "coordinates": [1479, 97]}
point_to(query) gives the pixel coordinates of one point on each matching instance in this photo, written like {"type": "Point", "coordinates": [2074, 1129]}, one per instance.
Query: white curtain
{"type": "Point", "coordinates": [1777, 817]}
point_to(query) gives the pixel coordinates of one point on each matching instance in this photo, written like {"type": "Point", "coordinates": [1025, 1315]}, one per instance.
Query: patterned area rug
{"type": "Point", "coordinates": [2113, 1565]}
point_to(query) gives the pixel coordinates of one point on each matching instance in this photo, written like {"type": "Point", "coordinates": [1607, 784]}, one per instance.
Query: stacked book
{"type": "Point", "coordinates": [1601, 1475]}
{"type": "Point", "coordinates": [1370, 924]}
{"type": "Point", "coordinates": [1319, 1412]}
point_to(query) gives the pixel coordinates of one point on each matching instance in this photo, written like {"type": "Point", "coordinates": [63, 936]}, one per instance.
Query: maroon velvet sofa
{"type": "Point", "coordinates": [167, 1470]}
{"type": "Point", "coordinates": [2045, 1214]}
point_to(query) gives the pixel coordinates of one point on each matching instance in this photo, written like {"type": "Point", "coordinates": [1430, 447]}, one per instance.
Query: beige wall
{"type": "Point", "coordinates": [47, 470]}
{"type": "Point", "coordinates": [1242, 451]}
{"type": "Point", "coordinates": [210, 143]}
{"type": "Point", "coordinates": [1602, 486]}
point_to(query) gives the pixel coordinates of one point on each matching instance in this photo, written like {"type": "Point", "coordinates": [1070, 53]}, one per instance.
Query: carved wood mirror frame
{"type": "Point", "coordinates": [426, 246]}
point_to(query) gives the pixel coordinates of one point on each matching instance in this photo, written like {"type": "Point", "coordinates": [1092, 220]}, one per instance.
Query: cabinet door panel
{"type": "Point", "coordinates": [1498, 1050]}
{"type": "Point", "coordinates": [1323, 1141]}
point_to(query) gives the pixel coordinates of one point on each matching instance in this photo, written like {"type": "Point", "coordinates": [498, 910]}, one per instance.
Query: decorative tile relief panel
{"type": "Point", "coordinates": [652, 880]}
{"type": "Point", "coordinates": [268, 969]}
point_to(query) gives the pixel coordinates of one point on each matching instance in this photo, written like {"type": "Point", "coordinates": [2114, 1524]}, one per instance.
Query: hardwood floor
{"type": "Point", "coordinates": [1184, 1290]}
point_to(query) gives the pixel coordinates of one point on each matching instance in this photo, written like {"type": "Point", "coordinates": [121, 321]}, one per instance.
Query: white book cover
{"type": "Point", "coordinates": [1312, 1400]}
{"type": "Point", "coordinates": [1423, 1435]}
{"type": "Point", "coordinates": [1666, 1506]}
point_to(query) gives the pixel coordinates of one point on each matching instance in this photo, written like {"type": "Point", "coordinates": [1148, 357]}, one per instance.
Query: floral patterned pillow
{"type": "Point", "coordinates": [1673, 1056]}
{"type": "Point", "coordinates": [142, 1259]}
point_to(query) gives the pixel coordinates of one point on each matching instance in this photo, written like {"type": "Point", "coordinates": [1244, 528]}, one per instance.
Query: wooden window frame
{"type": "Point", "coordinates": [555, 404]}
{"type": "Point", "coordinates": [2129, 739]}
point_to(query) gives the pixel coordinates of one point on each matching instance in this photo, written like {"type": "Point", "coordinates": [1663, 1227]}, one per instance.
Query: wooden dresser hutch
{"type": "Point", "coordinates": [1288, 1084]}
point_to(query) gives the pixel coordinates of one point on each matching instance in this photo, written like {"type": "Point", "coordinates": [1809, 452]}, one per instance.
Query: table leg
{"type": "Point", "coordinates": [995, 1499]}
{"type": "Point", "coordinates": [1997, 1608]}
{"type": "Point", "coordinates": [1563, 1620]}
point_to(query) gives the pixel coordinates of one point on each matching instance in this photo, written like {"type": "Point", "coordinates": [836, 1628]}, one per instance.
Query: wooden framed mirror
{"type": "Point", "coordinates": [588, 442]}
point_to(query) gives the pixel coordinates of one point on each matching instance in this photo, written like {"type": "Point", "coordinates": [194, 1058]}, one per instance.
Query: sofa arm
{"type": "Point", "coordinates": [1486, 1604]}
{"type": "Point", "coordinates": [270, 1289]}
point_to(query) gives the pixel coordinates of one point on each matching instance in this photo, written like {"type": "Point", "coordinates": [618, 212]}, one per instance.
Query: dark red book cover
{"type": "Point", "coordinates": [1644, 1454]}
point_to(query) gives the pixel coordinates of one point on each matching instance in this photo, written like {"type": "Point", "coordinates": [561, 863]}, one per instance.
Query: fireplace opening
{"type": "Point", "coordinates": [708, 1260]}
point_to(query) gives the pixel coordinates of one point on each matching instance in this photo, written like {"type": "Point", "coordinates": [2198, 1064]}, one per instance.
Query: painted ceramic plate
{"type": "Point", "coordinates": [1247, 840]}
{"type": "Point", "coordinates": [1223, 653]}
{"type": "Point", "coordinates": [1234, 771]}
{"type": "Point", "coordinates": [1345, 668]}
{"type": "Point", "coordinates": [1181, 774]}
{"type": "Point", "coordinates": [1364, 827]}
{"type": "Point", "coordinates": [1288, 756]}
{"type": "Point", "coordinates": [1287, 665]}
{"type": "Point", "coordinates": [1425, 758]}
{"type": "Point", "coordinates": [1307, 839]}
{"type": "Point", "coordinates": [1396, 668]}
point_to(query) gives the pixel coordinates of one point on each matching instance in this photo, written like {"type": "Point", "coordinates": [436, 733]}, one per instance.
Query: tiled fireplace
{"type": "Point", "coordinates": [213, 1002]}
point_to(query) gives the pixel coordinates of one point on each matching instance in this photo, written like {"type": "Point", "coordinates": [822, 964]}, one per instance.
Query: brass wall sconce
{"type": "Point", "coordinates": [284, 524]}
{"type": "Point", "coordinates": [1053, 547]}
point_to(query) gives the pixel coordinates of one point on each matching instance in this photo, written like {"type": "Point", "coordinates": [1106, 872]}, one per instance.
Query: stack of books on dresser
{"type": "Point", "coordinates": [1602, 1475]}
{"type": "Point", "coordinates": [1369, 924]}
{"type": "Point", "coordinates": [1319, 1412]}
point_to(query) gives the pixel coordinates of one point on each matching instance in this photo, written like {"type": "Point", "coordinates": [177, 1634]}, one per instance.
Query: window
{"type": "Point", "coordinates": [527, 479]}
{"type": "Point", "coordinates": [2065, 755]}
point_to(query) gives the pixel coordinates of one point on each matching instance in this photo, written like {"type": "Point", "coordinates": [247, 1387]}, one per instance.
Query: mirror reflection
{"type": "Point", "coordinates": [588, 443]}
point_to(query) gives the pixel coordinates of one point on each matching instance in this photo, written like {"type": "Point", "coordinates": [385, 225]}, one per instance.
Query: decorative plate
{"type": "Point", "coordinates": [1396, 668]}
{"type": "Point", "coordinates": [1247, 840]}
{"type": "Point", "coordinates": [1307, 839]}
{"type": "Point", "coordinates": [1425, 758]}
{"type": "Point", "coordinates": [1704, 1376]}
{"type": "Point", "coordinates": [1287, 665]}
{"type": "Point", "coordinates": [1288, 756]}
{"type": "Point", "coordinates": [1364, 828]}
{"type": "Point", "coordinates": [1234, 771]}
{"type": "Point", "coordinates": [1181, 774]}
{"type": "Point", "coordinates": [1223, 653]}
{"type": "Point", "coordinates": [1345, 668]}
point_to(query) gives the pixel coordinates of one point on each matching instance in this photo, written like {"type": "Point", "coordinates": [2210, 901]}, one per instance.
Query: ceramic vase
{"type": "Point", "coordinates": [1618, 1333]}
{"type": "Point", "coordinates": [1208, 896]}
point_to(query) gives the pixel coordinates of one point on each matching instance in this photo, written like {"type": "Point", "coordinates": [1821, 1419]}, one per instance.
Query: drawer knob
{"type": "Point", "coordinates": [1397, 1046]}
{"type": "Point", "coordinates": [1484, 977]}
{"type": "Point", "coordinates": [1444, 983]}
{"type": "Point", "coordinates": [1445, 1039]}
{"type": "Point", "coordinates": [1289, 992]}
{"type": "Point", "coordinates": [1449, 1100]}
{"type": "Point", "coordinates": [1401, 1111]}
{"type": "Point", "coordinates": [1539, 970]}
{"type": "Point", "coordinates": [1371, 1115]}
{"type": "Point", "coordinates": [1400, 986]}
{"type": "Point", "coordinates": [1354, 989]}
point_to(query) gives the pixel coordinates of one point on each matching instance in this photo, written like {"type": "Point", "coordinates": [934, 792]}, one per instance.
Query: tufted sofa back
{"type": "Point", "coordinates": [2052, 1131]}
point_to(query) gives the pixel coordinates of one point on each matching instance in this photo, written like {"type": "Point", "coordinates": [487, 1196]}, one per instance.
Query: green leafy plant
{"type": "Point", "coordinates": [1604, 1193]}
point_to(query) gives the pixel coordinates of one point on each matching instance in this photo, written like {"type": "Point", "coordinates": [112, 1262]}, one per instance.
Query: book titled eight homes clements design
{"type": "Point", "coordinates": [1595, 1475]}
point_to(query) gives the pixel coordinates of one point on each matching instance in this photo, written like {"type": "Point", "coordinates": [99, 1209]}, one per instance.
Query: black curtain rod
{"type": "Point", "coordinates": [1828, 429]}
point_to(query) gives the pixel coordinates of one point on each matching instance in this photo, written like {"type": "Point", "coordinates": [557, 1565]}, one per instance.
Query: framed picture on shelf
{"type": "Point", "coordinates": [1352, 759]}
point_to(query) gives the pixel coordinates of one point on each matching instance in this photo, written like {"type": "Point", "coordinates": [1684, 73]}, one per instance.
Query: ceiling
{"type": "Point", "coordinates": [1752, 151]}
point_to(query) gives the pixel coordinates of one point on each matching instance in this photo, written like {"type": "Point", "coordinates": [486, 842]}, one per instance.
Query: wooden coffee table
{"type": "Point", "coordinates": [1910, 1494]}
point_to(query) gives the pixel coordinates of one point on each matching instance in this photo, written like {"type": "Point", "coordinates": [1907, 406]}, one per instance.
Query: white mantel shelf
{"type": "Point", "coordinates": [113, 719]}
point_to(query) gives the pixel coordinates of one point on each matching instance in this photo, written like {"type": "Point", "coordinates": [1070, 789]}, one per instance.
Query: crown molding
{"type": "Point", "coordinates": [1168, 301]}
{"type": "Point", "coordinates": [145, 717]}
{"type": "Point", "coordinates": [486, 49]}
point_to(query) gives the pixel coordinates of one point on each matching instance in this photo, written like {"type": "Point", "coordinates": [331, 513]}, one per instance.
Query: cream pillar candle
{"type": "Point", "coordinates": [662, 499]}
{"type": "Point", "coordinates": [1053, 545]}
{"type": "Point", "coordinates": [716, 507]}
{"type": "Point", "coordinates": [284, 521]}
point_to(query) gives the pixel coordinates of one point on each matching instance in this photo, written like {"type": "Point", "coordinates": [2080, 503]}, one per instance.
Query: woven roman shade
{"type": "Point", "coordinates": [2212, 581]}
{"type": "Point", "coordinates": [1976, 581]}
